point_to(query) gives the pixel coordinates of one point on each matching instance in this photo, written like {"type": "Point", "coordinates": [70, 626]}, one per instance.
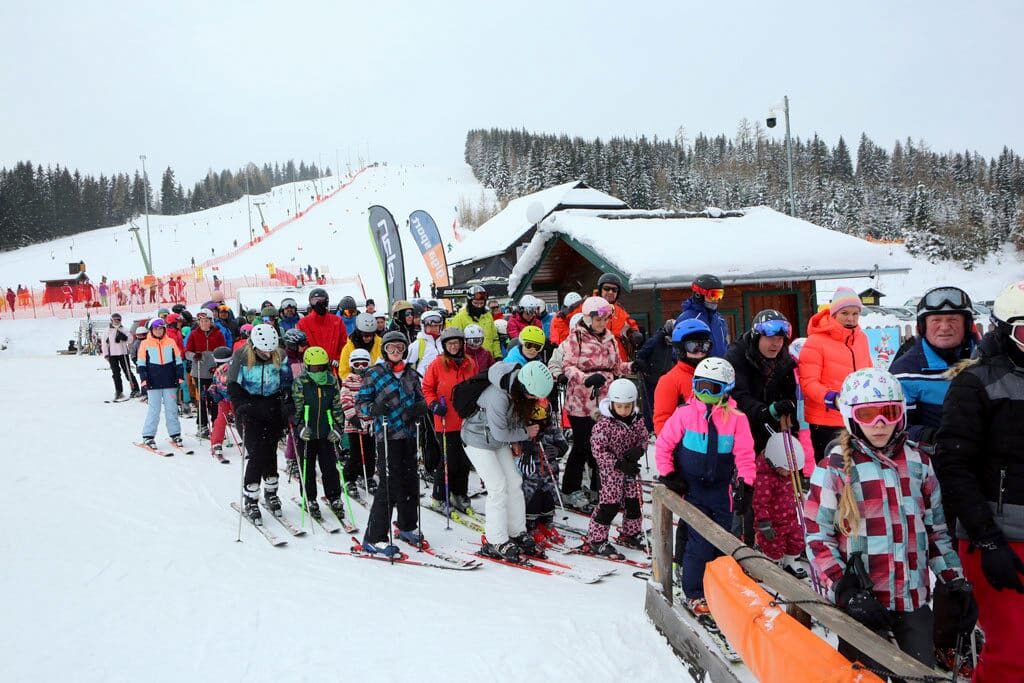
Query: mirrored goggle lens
{"type": "Point", "coordinates": [1017, 332]}
{"type": "Point", "coordinates": [773, 328]}
{"type": "Point", "coordinates": [870, 413]}
{"type": "Point", "coordinates": [474, 341]}
{"type": "Point", "coordinates": [697, 345]}
{"type": "Point", "coordinates": [317, 368]}
{"type": "Point", "coordinates": [531, 346]}
{"type": "Point", "coordinates": [945, 298]}
{"type": "Point", "coordinates": [708, 386]}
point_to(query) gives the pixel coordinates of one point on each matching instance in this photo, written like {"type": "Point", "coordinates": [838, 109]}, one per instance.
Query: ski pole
{"type": "Point", "coordinates": [957, 657]}
{"type": "Point", "coordinates": [241, 482]}
{"type": "Point", "coordinates": [447, 493]}
{"type": "Point", "coordinates": [302, 476]}
{"type": "Point", "coordinates": [787, 442]}
{"type": "Point", "coordinates": [554, 482]}
{"type": "Point", "coordinates": [362, 457]}
{"type": "Point", "coordinates": [387, 484]}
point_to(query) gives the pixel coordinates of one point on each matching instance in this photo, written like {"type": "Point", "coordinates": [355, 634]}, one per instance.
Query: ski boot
{"type": "Point", "coordinates": [699, 607]}
{"type": "Point", "coordinates": [412, 537]}
{"type": "Point", "coordinates": [437, 505]}
{"type": "Point", "coordinates": [462, 504]}
{"type": "Point", "coordinates": [371, 486]}
{"type": "Point", "coordinates": [577, 500]}
{"type": "Point", "coordinates": [135, 393]}
{"type": "Point", "coordinates": [380, 548]}
{"type": "Point", "coordinates": [149, 442]}
{"type": "Point", "coordinates": [203, 433]}
{"type": "Point", "coordinates": [118, 395]}
{"type": "Point", "coordinates": [507, 551]}
{"type": "Point", "coordinates": [313, 508]}
{"type": "Point", "coordinates": [272, 500]}
{"type": "Point", "coordinates": [551, 534]}
{"type": "Point", "coordinates": [352, 489]}
{"type": "Point", "coordinates": [252, 511]}
{"type": "Point", "coordinates": [217, 451]}
{"type": "Point", "coordinates": [791, 566]}
{"type": "Point", "coordinates": [527, 546]}
{"type": "Point", "coordinates": [337, 507]}
{"type": "Point", "coordinates": [636, 541]}
{"type": "Point", "coordinates": [602, 549]}
{"type": "Point", "coordinates": [293, 468]}
{"type": "Point", "coordinates": [177, 441]}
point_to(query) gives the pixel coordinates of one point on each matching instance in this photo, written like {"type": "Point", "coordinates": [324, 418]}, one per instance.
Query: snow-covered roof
{"type": "Point", "coordinates": [503, 229]}
{"type": "Point", "coordinates": [758, 244]}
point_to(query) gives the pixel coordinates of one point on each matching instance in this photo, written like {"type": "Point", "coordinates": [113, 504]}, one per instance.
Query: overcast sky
{"type": "Point", "coordinates": [215, 84]}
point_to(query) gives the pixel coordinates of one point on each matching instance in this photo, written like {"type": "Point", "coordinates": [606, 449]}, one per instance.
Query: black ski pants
{"type": "Point", "coordinates": [913, 634]}
{"type": "Point", "coordinates": [458, 466]}
{"type": "Point", "coordinates": [821, 437]}
{"type": "Point", "coordinates": [360, 449]}
{"type": "Point", "coordinates": [207, 408]}
{"type": "Point", "coordinates": [431, 444]}
{"type": "Point", "coordinates": [260, 442]}
{"type": "Point", "coordinates": [119, 364]}
{"type": "Point", "coordinates": [319, 451]}
{"type": "Point", "coordinates": [399, 487]}
{"type": "Point", "coordinates": [580, 455]}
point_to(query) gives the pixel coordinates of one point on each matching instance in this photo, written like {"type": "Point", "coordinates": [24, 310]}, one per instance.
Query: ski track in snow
{"type": "Point", "coordinates": [122, 566]}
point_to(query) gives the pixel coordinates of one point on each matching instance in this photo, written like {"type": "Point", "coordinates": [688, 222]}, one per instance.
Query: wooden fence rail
{"type": "Point", "coordinates": [659, 598]}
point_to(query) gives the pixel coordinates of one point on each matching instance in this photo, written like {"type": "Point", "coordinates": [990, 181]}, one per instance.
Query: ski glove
{"type": "Point", "coordinates": [634, 454]}
{"type": "Point", "coordinates": [765, 527]}
{"type": "Point", "coordinates": [675, 482]}
{"type": "Point", "coordinates": [862, 605]}
{"type": "Point", "coordinates": [640, 366]}
{"type": "Point", "coordinates": [562, 380]}
{"type": "Point", "coordinates": [630, 468]}
{"type": "Point", "coordinates": [334, 436]}
{"type": "Point", "coordinates": [1002, 567]}
{"type": "Point", "coordinates": [418, 410]}
{"type": "Point", "coordinates": [439, 407]}
{"type": "Point", "coordinates": [956, 611]}
{"type": "Point", "coordinates": [779, 409]}
{"type": "Point", "coordinates": [594, 381]}
{"type": "Point", "coordinates": [305, 433]}
{"type": "Point", "coordinates": [742, 493]}
{"type": "Point", "coordinates": [831, 398]}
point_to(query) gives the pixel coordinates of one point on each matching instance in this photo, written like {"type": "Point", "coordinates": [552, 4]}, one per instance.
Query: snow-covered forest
{"type": "Point", "coordinates": [945, 205]}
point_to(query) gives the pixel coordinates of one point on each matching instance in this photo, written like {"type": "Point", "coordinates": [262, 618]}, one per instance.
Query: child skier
{"type": "Point", "coordinates": [699, 448]}
{"type": "Point", "coordinates": [875, 524]}
{"type": "Point", "coordinates": [619, 440]}
{"type": "Point", "coordinates": [218, 394]}
{"type": "Point", "coordinates": [362, 458]}
{"type": "Point", "coordinates": [259, 384]}
{"type": "Point", "coordinates": [776, 527]}
{"type": "Point", "coordinates": [159, 366]}
{"type": "Point", "coordinates": [318, 415]}
{"type": "Point", "coordinates": [295, 344]}
{"type": "Point", "coordinates": [391, 395]}
{"type": "Point", "coordinates": [539, 466]}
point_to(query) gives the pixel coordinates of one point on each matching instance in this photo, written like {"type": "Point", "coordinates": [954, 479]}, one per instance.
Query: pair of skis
{"type": "Point", "coordinates": [357, 551]}
{"type": "Point", "coordinates": [162, 453]}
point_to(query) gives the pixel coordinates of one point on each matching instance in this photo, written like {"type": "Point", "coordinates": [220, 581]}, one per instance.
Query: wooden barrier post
{"type": "Point", "coordinates": [775, 580]}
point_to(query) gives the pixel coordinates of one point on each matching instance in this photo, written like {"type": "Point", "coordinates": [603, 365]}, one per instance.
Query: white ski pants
{"type": "Point", "coordinates": [506, 507]}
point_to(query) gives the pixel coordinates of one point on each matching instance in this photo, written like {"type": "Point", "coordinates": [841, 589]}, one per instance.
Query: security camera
{"type": "Point", "coordinates": [770, 120]}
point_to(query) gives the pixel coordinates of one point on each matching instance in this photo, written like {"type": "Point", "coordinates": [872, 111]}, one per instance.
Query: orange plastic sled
{"type": "Point", "coordinates": [773, 645]}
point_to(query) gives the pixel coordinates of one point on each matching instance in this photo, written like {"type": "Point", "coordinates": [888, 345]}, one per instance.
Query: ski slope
{"type": "Point", "coordinates": [123, 566]}
{"type": "Point", "coordinates": [332, 235]}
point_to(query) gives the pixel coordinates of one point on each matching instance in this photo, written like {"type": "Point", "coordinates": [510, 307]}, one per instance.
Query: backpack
{"type": "Point", "coordinates": [466, 394]}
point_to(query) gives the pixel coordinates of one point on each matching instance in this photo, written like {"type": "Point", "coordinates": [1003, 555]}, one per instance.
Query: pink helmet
{"type": "Point", "coordinates": [595, 305]}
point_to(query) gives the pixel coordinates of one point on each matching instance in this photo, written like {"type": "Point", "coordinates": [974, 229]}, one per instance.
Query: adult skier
{"type": "Point", "coordinates": [199, 348]}
{"type": "Point", "coordinates": [114, 347]}
{"type": "Point", "coordinates": [322, 328]}
{"type": "Point", "coordinates": [475, 312]}
{"type": "Point", "coordinates": [159, 366]}
{"type": "Point", "coordinates": [707, 294]}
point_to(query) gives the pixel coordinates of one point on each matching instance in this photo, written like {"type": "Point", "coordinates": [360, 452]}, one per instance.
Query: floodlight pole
{"type": "Point", "coordinates": [789, 159]}
{"type": "Point", "coordinates": [145, 194]}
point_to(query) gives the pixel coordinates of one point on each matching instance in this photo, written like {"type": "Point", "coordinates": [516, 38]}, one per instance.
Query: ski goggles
{"type": "Point", "coordinates": [475, 341]}
{"type": "Point", "coordinates": [360, 364]}
{"type": "Point", "coordinates": [610, 288]}
{"type": "Point", "coordinates": [1017, 332]}
{"type": "Point", "coordinates": [716, 294]}
{"type": "Point", "coordinates": [314, 300]}
{"type": "Point", "coordinates": [774, 328]}
{"type": "Point", "coordinates": [945, 298]}
{"type": "Point", "coordinates": [696, 345]}
{"type": "Point", "coordinates": [480, 299]}
{"type": "Point", "coordinates": [318, 368]}
{"type": "Point", "coordinates": [603, 312]}
{"type": "Point", "coordinates": [870, 414]}
{"type": "Point", "coordinates": [394, 347]}
{"type": "Point", "coordinates": [530, 346]}
{"type": "Point", "coordinates": [710, 387]}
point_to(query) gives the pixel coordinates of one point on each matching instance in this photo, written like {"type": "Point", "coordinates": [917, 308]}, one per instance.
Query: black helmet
{"type": "Point", "coordinates": [177, 308]}
{"type": "Point", "coordinates": [222, 354]}
{"type": "Point", "coordinates": [945, 300]}
{"type": "Point", "coordinates": [294, 338]}
{"type": "Point", "coordinates": [347, 303]}
{"type": "Point", "coordinates": [708, 281]}
{"type": "Point", "coordinates": [609, 279]}
{"type": "Point", "coordinates": [771, 323]}
{"type": "Point", "coordinates": [319, 293]}
{"type": "Point", "coordinates": [418, 308]}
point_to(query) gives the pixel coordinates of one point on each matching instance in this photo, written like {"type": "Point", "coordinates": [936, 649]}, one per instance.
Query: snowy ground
{"type": "Point", "coordinates": [122, 566]}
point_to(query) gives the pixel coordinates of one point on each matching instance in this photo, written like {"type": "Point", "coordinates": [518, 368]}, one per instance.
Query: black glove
{"type": "Point", "coordinates": [418, 410]}
{"type": "Point", "coordinates": [675, 482]}
{"type": "Point", "coordinates": [640, 366]}
{"type": "Point", "coordinates": [778, 409]}
{"type": "Point", "coordinates": [563, 380]}
{"type": "Point", "coordinates": [863, 606]}
{"type": "Point", "coordinates": [378, 409]}
{"type": "Point", "coordinates": [120, 337]}
{"type": "Point", "coordinates": [242, 412]}
{"type": "Point", "coordinates": [596, 380]}
{"type": "Point", "coordinates": [742, 493]}
{"type": "Point", "coordinates": [630, 468]}
{"type": "Point", "coordinates": [1002, 567]}
{"type": "Point", "coordinates": [634, 454]}
{"type": "Point", "coordinates": [765, 527]}
{"type": "Point", "coordinates": [956, 611]}
{"type": "Point", "coordinates": [439, 408]}
{"type": "Point", "coordinates": [355, 422]}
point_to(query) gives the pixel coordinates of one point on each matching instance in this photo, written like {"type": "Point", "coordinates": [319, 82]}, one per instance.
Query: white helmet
{"type": "Point", "coordinates": [574, 321]}
{"type": "Point", "coordinates": [501, 326]}
{"type": "Point", "coordinates": [474, 332]}
{"type": "Point", "coordinates": [868, 386]}
{"type": "Point", "coordinates": [430, 318]}
{"type": "Point", "coordinates": [358, 354]}
{"type": "Point", "coordinates": [571, 299]}
{"type": "Point", "coordinates": [531, 303]}
{"type": "Point", "coordinates": [366, 323]}
{"type": "Point", "coordinates": [796, 346]}
{"type": "Point", "coordinates": [264, 337]}
{"type": "Point", "coordinates": [596, 304]}
{"type": "Point", "coordinates": [1008, 308]}
{"type": "Point", "coordinates": [775, 451]}
{"type": "Point", "coordinates": [622, 391]}
{"type": "Point", "coordinates": [717, 369]}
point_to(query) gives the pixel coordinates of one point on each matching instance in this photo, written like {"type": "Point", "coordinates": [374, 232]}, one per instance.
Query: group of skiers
{"type": "Point", "coordinates": [485, 391]}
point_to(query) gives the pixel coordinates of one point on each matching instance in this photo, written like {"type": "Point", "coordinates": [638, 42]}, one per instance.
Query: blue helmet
{"type": "Point", "coordinates": [688, 327]}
